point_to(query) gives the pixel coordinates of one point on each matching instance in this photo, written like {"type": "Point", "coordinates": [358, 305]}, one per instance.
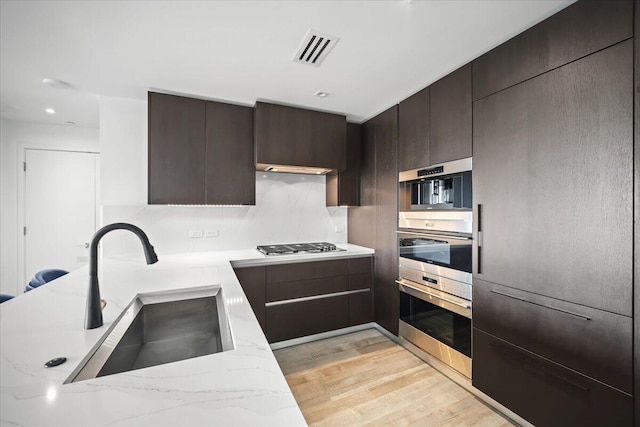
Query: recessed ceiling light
{"type": "Point", "coordinates": [57, 84]}
{"type": "Point", "coordinates": [321, 94]}
{"type": "Point", "coordinates": [50, 111]}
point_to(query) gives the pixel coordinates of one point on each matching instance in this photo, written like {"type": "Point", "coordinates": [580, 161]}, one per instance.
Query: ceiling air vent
{"type": "Point", "coordinates": [315, 47]}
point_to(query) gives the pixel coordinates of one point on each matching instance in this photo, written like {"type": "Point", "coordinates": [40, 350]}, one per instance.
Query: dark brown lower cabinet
{"type": "Point", "coordinates": [297, 319]}
{"type": "Point", "coordinates": [298, 299]}
{"type": "Point", "coordinates": [543, 392]}
{"type": "Point", "coordinates": [593, 342]}
{"type": "Point", "coordinates": [252, 280]}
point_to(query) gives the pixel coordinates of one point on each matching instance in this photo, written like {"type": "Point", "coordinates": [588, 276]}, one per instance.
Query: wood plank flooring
{"type": "Point", "coordinates": [365, 379]}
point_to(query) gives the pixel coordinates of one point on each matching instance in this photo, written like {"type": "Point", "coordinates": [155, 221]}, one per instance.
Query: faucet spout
{"type": "Point", "coordinates": [93, 313]}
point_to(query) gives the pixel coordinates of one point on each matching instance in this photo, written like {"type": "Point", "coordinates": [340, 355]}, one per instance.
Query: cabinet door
{"type": "Point", "coordinates": [552, 167]}
{"type": "Point", "coordinates": [450, 124]}
{"type": "Point", "coordinates": [387, 299]}
{"type": "Point", "coordinates": [361, 219]}
{"type": "Point", "coordinates": [343, 188]}
{"type": "Point", "coordinates": [413, 132]}
{"type": "Point", "coordinates": [542, 392]}
{"type": "Point", "coordinates": [176, 150]}
{"type": "Point", "coordinates": [231, 170]}
{"type": "Point", "coordinates": [252, 280]}
{"type": "Point", "coordinates": [579, 30]}
{"type": "Point", "coordinates": [299, 137]}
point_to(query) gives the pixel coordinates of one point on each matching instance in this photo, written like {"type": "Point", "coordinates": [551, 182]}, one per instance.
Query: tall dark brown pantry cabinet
{"type": "Point", "coordinates": [553, 219]}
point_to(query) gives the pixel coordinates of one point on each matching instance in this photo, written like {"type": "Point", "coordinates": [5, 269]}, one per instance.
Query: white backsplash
{"type": "Point", "coordinates": [289, 208]}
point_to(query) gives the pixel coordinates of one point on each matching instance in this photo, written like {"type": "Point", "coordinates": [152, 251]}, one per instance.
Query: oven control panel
{"type": "Point", "coordinates": [453, 287]}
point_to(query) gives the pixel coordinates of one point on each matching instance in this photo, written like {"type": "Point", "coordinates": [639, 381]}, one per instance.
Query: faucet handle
{"type": "Point", "coordinates": [103, 304]}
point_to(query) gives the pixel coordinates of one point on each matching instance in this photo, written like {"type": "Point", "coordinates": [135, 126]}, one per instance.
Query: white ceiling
{"type": "Point", "coordinates": [241, 51]}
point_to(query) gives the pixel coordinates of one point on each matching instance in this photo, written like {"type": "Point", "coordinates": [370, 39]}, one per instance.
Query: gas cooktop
{"type": "Point", "coordinates": [299, 248]}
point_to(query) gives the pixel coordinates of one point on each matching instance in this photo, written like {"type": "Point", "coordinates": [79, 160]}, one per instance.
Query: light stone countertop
{"type": "Point", "coordinates": [241, 387]}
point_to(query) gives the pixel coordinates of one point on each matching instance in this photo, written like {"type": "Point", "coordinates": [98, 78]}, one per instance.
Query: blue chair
{"type": "Point", "coordinates": [5, 297]}
{"type": "Point", "coordinates": [44, 276]}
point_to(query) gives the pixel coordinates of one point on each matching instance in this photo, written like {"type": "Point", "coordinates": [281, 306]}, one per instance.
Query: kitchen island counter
{"type": "Point", "coordinates": [244, 386]}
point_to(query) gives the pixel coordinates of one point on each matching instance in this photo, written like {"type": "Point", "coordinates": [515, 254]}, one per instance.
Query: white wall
{"type": "Point", "coordinates": [14, 138]}
{"type": "Point", "coordinates": [289, 208]}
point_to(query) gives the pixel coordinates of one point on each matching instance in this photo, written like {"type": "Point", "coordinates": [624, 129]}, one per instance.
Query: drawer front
{"type": "Point", "coordinates": [360, 265]}
{"type": "Point", "coordinates": [596, 343]}
{"type": "Point", "coordinates": [360, 308]}
{"type": "Point", "coordinates": [360, 281]}
{"type": "Point", "coordinates": [293, 320]}
{"type": "Point", "coordinates": [306, 288]}
{"type": "Point", "coordinates": [543, 392]}
{"type": "Point", "coordinates": [306, 270]}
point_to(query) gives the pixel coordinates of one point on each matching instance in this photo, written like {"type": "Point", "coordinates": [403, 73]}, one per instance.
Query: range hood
{"type": "Point", "coordinates": [293, 169]}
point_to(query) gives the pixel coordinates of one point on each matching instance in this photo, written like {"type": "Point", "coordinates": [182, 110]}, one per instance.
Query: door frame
{"type": "Point", "coordinates": [21, 208]}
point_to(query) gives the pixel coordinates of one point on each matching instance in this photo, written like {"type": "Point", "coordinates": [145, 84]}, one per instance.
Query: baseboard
{"type": "Point", "coordinates": [321, 336]}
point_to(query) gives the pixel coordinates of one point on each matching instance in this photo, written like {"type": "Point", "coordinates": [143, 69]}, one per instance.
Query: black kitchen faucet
{"type": "Point", "coordinates": [93, 313]}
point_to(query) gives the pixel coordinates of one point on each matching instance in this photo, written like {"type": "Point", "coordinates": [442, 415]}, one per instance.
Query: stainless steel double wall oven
{"type": "Point", "coordinates": [435, 247]}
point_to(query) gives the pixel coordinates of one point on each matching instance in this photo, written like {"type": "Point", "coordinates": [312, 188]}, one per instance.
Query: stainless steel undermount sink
{"type": "Point", "coordinates": [158, 328]}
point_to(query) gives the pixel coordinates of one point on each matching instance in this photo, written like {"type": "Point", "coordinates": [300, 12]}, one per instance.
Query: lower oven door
{"type": "Point", "coordinates": [438, 323]}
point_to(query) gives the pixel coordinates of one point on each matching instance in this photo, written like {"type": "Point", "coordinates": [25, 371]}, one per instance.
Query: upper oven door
{"type": "Point", "coordinates": [444, 251]}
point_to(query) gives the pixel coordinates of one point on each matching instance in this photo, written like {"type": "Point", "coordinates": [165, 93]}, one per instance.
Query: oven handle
{"type": "Point", "coordinates": [465, 306]}
{"type": "Point", "coordinates": [438, 236]}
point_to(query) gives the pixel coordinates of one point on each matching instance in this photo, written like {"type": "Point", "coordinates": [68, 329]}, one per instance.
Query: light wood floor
{"type": "Point", "coordinates": [366, 379]}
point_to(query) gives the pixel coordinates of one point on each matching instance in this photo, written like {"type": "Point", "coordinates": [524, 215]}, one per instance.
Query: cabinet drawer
{"type": "Point", "coordinates": [306, 288]}
{"type": "Point", "coordinates": [594, 342]}
{"type": "Point", "coordinates": [360, 281]}
{"type": "Point", "coordinates": [306, 270]}
{"type": "Point", "coordinates": [544, 392]}
{"type": "Point", "coordinates": [297, 319]}
{"type": "Point", "coordinates": [360, 265]}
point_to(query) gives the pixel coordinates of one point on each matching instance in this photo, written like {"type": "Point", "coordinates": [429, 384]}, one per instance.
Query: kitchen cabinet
{"type": "Point", "coordinates": [543, 392]}
{"type": "Point", "coordinates": [361, 219]}
{"type": "Point", "coordinates": [297, 299]}
{"type": "Point", "coordinates": [177, 145]}
{"type": "Point", "coordinates": [450, 123]}
{"type": "Point", "coordinates": [375, 222]}
{"type": "Point", "coordinates": [200, 152]}
{"type": "Point", "coordinates": [593, 342]}
{"type": "Point", "coordinates": [414, 132]}
{"type": "Point", "coordinates": [434, 125]}
{"type": "Point", "coordinates": [230, 163]}
{"type": "Point", "coordinates": [343, 187]}
{"type": "Point", "coordinates": [577, 31]}
{"type": "Point", "coordinates": [299, 137]}
{"type": "Point", "coordinates": [552, 183]}
{"type": "Point", "coordinates": [253, 282]}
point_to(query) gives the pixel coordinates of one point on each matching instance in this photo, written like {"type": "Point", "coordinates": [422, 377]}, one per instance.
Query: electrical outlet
{"type": "Point", "coordinates": [211, 233]}
{"type": "Point", "coordinates": [194, 234]}
{"type": "Point", "coordinates": [339, 228]}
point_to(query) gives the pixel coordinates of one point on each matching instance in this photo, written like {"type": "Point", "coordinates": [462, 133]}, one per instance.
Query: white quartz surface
{"type": "Point", "coordinates": [242, 387]}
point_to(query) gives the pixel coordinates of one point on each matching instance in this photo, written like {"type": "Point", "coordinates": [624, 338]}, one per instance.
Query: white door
{"type": "Point", "coordinates": [60, 209]}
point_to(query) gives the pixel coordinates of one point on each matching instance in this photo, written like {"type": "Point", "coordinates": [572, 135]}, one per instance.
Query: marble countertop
{"type": "Point", "coordinates": [244, 386]}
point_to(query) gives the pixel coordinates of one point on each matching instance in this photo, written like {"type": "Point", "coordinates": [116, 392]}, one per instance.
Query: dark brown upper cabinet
{"type": "Point", "coordinates": [579, 30]}
{"type": "Point", "coordinates": [553, 183]}
{"type": "Point", "coordinates": [298, 137]}
{"type": "Point", "coordinates": [231, 169]}
{"type": "Point", "coordinates": [343, 188]}
{"type": "Point", "coordinates": [200, 152]}
{"type": "Point", "coordinates": [177, 146]}
{"type": "Point", "coordinates": [413, 131]}
{"type": "Point", "coordinates": [450, 111]}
